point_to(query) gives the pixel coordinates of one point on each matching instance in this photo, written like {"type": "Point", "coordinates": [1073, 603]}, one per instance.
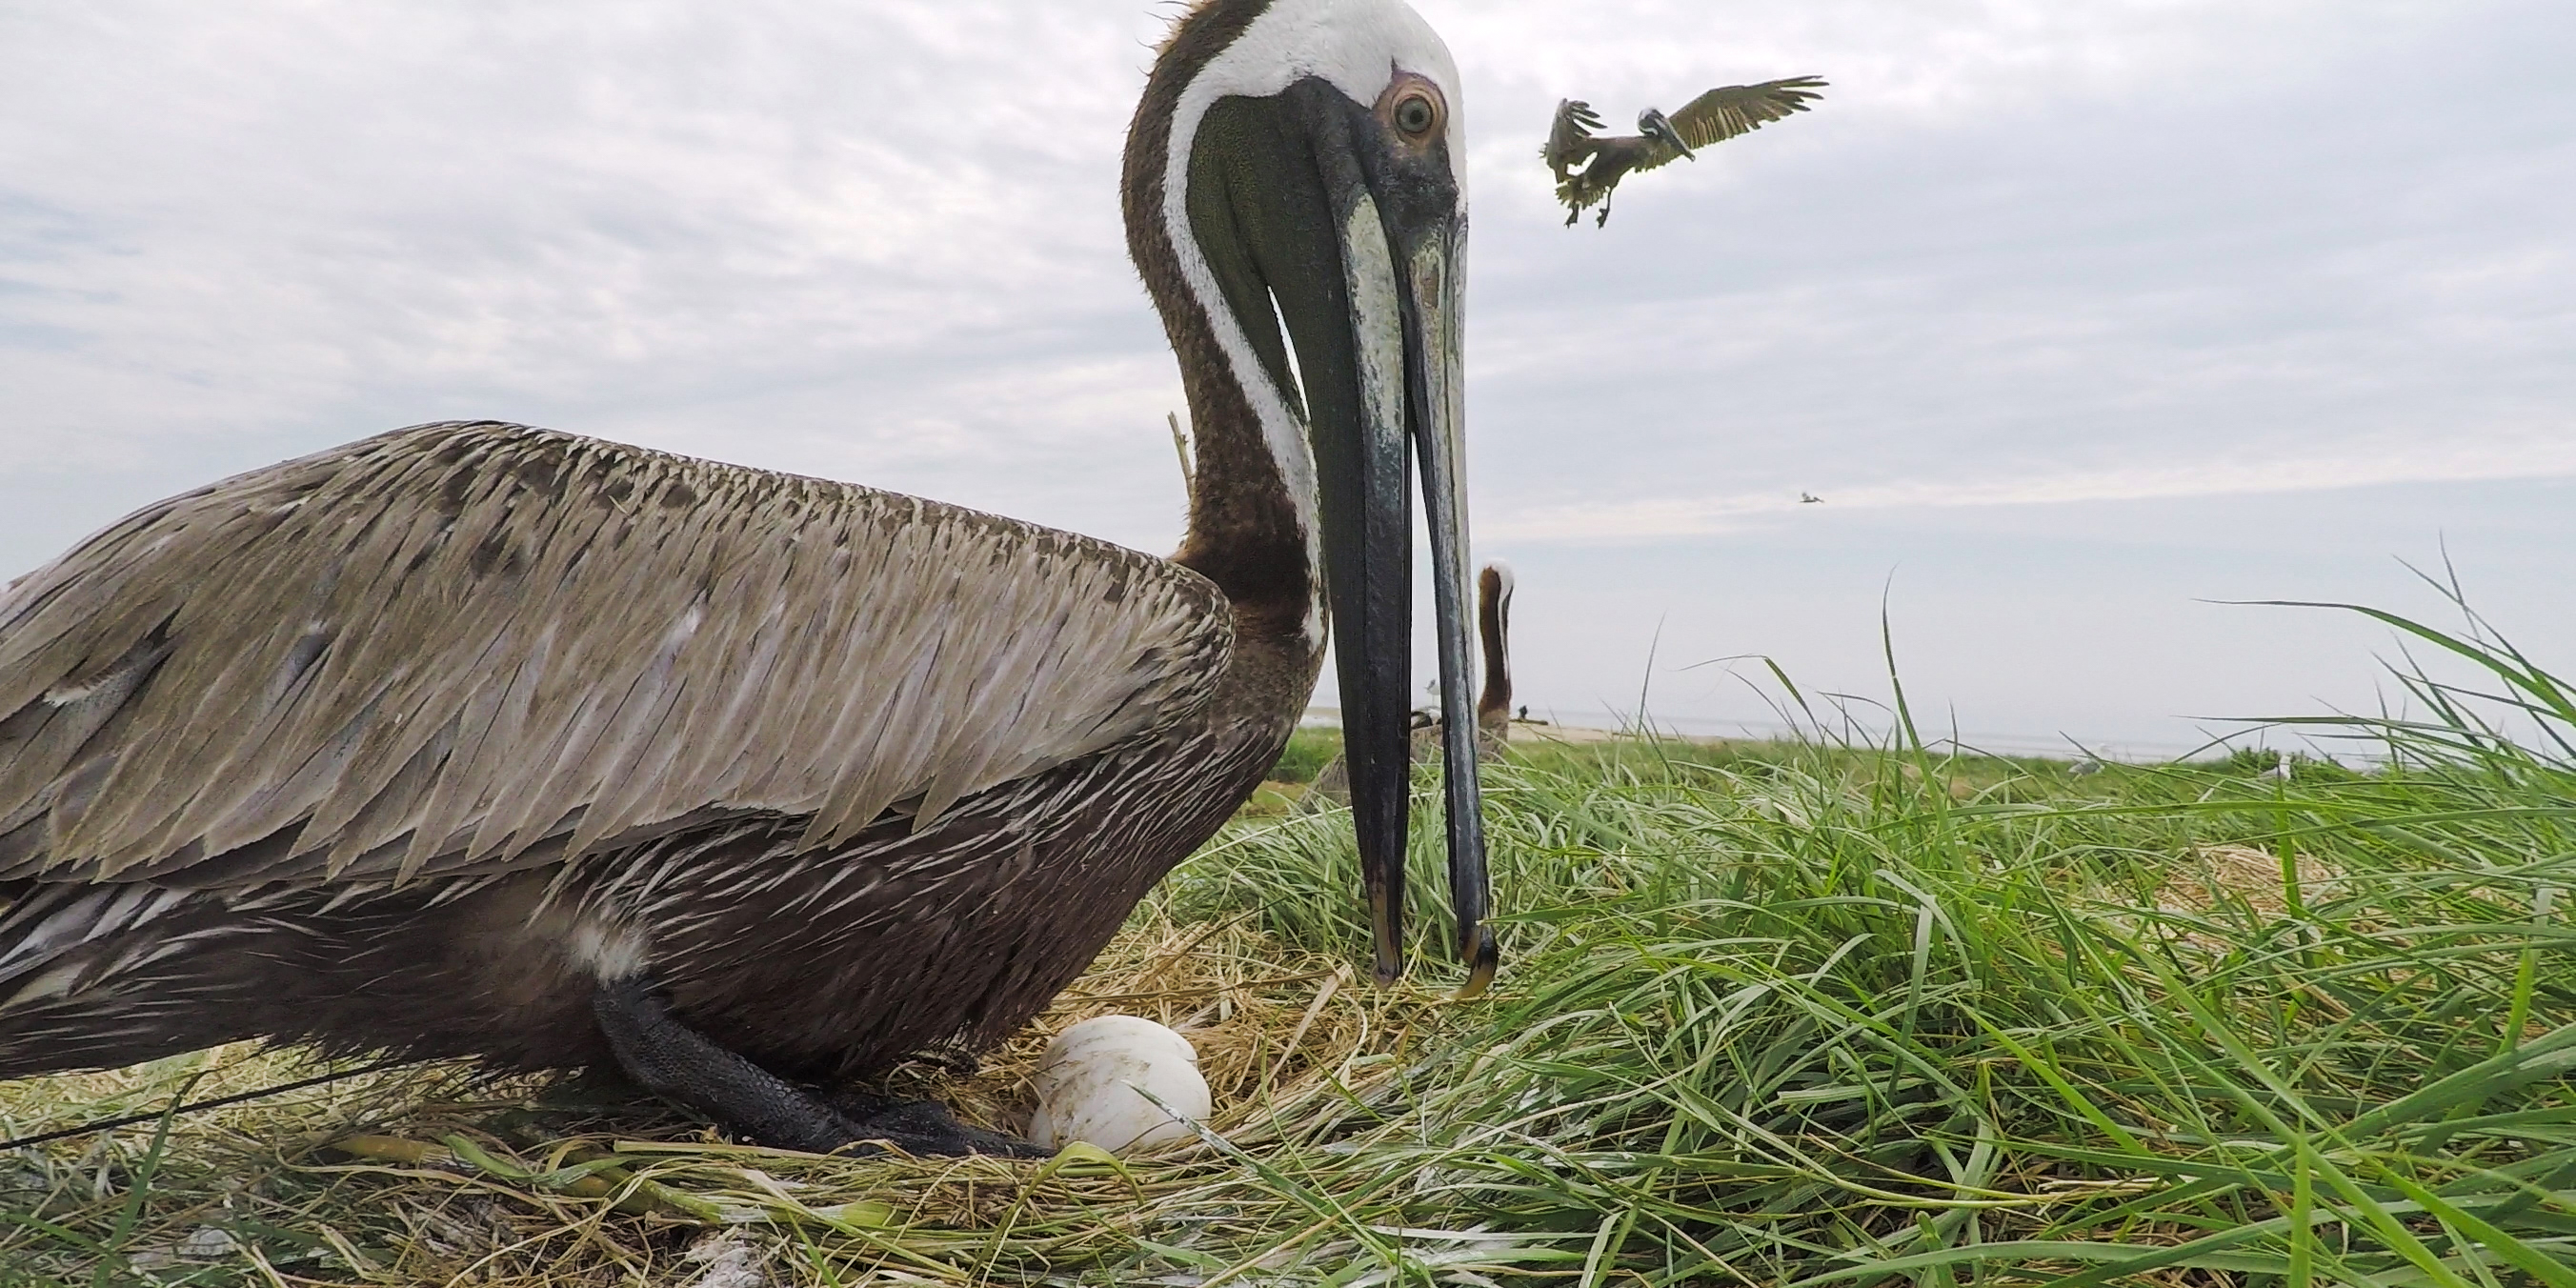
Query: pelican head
{"type": "Point", "coordinates": [1655, 125]}
{"type": "Point", "coordinates": [1295, 202]}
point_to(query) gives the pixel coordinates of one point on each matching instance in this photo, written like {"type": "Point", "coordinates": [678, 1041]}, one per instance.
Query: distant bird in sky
{"type": "Point", "coordinates": [1588, 166]}
{"type": "Point", "coordinates": [1810, 498]}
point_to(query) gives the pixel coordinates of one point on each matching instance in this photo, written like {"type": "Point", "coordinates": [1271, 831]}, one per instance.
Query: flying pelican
{"type": "Point", "coordinates": [1588, 166]}
{"type": "Point", "coordinates": [479, 741]}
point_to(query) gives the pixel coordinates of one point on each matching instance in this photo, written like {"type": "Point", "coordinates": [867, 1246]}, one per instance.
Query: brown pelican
{"type": "Point", "coordinates": [474, 740]}
{"type": "Point", "coordinates": [1588, 166]}
{"type": "Point", "coordinates": [1494, 630]}
{"type": "Point", "coordinates": [1332, 785]}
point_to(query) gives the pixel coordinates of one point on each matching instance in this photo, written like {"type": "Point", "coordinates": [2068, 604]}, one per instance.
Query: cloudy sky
{"type": "Point", "coordinates": [2079, 317]}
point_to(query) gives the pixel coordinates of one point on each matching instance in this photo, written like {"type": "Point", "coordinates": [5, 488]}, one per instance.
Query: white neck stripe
{"type": "Point", "coordinates": [1356, 46]}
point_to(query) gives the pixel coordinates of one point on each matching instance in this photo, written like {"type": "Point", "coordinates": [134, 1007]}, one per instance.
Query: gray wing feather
{"type": "Point", "coordinates": [1569, 138]}
{"type": "Point", "coordinates": [462, 648]}
{"type": "Point", "coordinates": [1722, 114]}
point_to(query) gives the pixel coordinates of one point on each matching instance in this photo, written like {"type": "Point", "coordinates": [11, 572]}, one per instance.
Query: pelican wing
{"type": "Point", "coordinates": [1721, 114]}
{"type": "Point", "coordinates": [1569, 140]}
{"type": "Point", "coordinates": [467, 648]}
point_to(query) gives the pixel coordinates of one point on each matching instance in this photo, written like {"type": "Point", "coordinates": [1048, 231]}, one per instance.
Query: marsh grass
{"type": "Point", "coordinates": [1782, 1014]}
{"type": "Point", "coordinates": [1308, 751]}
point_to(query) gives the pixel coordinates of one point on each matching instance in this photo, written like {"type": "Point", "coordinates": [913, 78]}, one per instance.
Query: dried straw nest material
{"type": "Point", "coordinates": [2209, 898]}
{"type": "Point", "coordinates": [436, 1175]}
{"type": "Point", "coordinates": [2211, 876]}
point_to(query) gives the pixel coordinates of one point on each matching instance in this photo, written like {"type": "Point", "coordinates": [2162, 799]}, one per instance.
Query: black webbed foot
{"type": "Point", "coordinates": [925, 1127]}
{"type": "Point", "coordinates": [672, 1060]}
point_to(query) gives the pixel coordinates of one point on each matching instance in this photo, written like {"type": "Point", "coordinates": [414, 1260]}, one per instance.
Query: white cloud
{"type": "Point", "coordinates": [2027, 252]}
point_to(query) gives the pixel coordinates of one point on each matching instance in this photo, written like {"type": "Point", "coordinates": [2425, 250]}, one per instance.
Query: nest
{"type": "Point", "coordinates": [441, 1174]}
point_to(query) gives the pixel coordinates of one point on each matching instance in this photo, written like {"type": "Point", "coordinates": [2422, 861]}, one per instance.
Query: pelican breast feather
{"type": "Point", "coordinates": [463, 649]}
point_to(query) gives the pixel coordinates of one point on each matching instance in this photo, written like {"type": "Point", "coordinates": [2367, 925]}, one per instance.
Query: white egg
{"type": "Point", "coordinates": [1087, 1080]}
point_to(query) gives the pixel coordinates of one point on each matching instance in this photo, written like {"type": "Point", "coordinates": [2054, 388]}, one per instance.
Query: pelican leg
{"type": "Point", "coordinates": [678, 1063]}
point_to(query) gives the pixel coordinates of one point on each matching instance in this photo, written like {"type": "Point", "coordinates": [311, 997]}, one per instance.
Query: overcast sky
{"type": "Point", "coordinates": [2076, 315]}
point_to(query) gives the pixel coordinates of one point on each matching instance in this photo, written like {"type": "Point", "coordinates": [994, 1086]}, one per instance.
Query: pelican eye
{"type": "Point", "coordinates": [1415, 115]}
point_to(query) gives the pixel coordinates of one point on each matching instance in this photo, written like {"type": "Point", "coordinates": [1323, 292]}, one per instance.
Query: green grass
{"type": "Point", "coordinates": [1774, 1015]}
{"type": "Point", "coordinates": [1819, 1019]}
{"type": "Point", "coordinates": [1308, 751]}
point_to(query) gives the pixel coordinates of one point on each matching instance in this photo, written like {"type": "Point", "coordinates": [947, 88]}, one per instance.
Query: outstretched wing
{"type": "Point", "coordinates": [1569, 139]}
{"type": "Point", "coordinates": [1721, 114]}
{"type": "Point", "coordinates": [465, 648]}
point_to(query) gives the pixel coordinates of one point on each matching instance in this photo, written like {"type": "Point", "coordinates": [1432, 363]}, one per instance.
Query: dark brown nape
{"type": "Point", "coordinates": [1494, 624]}
{"type": "Point", "coordinates": [1243, 531]}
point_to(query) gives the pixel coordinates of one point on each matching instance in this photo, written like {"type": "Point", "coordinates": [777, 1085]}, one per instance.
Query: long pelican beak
{"type": "Point", "coordinates": [1355, 231]}
{"type": "Point", "coordinates": [1435, 372]}
{"type": "Point", "coordinates": [1401, 233]}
